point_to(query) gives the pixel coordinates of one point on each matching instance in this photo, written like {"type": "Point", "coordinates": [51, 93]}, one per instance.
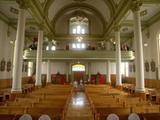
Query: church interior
{"type": "Point", "coordinates": [79, 59]}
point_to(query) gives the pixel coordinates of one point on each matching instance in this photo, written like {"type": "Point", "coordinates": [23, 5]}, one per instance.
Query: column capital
{"type": "Point", "coordinates": [40, 26]}
{"type": "Point", "coordinates": [22, 4]}
{"type": "Point", "coordinates": [117, 27]}
{"type": "Point", "coordinates": [50, 36]}
{"type": "Point", "coordinates": [136, 4]}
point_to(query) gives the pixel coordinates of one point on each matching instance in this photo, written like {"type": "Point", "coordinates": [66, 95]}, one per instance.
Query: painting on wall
{"type": "Point", "coordinates": [146, 66]}
{"type": "Point", "coordinates": [153, 66]}
{"type": "Point", "coordinates": [9, 64]}
{"type": "Point", "coordinates": [2, 65]}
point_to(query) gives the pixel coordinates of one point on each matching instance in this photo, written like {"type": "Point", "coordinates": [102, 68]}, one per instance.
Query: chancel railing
{"type": "Point", "coordinates": [78, 54]}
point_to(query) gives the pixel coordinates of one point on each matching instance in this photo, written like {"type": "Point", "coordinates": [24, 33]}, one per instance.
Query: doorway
{"type": "Point", "coordinates": [78, 71]}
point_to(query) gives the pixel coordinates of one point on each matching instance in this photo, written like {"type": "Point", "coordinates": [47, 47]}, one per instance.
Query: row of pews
{"type": "Point", "coordinates": [51, 100]}
{"type": "Point", "coordinates": [105, 100]}
{"type": "Point", "coordinates": [152, 88]}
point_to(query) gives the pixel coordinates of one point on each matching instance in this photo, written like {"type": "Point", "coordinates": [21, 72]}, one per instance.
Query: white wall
{"type": "Point", "coordinates": [6, 48]}
{"type": "Point", "coordinates": [151, 51]}
{"type": "Point", "coordinates": [55, 67]}
{"type": "Point", "coordinates": [100, 67]}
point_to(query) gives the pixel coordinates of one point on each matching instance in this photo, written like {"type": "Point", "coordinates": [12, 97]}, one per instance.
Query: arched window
{"type": "Point", "coordinates": [78, 67]}
{"type": "Point", "coordinates": [78, 25]}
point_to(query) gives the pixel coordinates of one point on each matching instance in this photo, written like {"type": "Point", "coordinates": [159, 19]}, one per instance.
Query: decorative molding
{"type": "Point", "coordinates": [80, 55]}
{"type": "Point", "coordinates": [122, 9]}
{"type": "Point", "coordinates": [136, 4]}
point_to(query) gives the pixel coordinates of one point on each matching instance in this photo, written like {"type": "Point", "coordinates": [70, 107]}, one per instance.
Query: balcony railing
{"type": "Point", "coordinates": [80, 55]}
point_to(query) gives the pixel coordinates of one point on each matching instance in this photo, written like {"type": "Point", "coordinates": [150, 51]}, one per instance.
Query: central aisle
{"type": "Point", "coordinates": [79, 108]}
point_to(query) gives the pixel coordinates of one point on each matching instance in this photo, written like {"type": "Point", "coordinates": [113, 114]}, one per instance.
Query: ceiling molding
{"type": "Point", "coordinates": [111, 6]}
{"type": "Point", "coordinates": [3, 17]}
{"type": "Point", "coordinates": [151, 1]}
{"type": "Point", "coordinates": [154, 19]}
{"type": "Point", "coordinates": [7, 1]}
{"type": "Point", "coordinates": [122, 9]}
{"type": "Point", "coordinates": [36, 10]}
{"type": "Point", "coordinates": [47, 6]}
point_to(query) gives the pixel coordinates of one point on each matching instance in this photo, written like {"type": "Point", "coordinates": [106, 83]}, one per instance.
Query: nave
{"type": "Point", "coordinates": [79, 108]}
{"type": "Point", "coordinates": [64, 102]}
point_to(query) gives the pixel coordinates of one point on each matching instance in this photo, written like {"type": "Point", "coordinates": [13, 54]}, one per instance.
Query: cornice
{"type": "Point", "coordinates": [61, 37]}
{"type": "Point", "coordinates": [36, 10]}
{"type": "Point", "coordinates": [154, 19]}
{"type": "Point", "coordinates": [151, 1]}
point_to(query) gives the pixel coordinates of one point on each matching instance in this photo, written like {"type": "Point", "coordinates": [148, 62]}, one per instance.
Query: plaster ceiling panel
{"type": "Point", "coordinates": [147, 11]}
{"type": "Point", "coordinates": [42, 1]}
{"type": "Point", "coordinates": [56, 6]}
{"type": "Point", "coordinates": [11, 10]}
{"type": "Point", "coordinates": [116, 1]}
{"type": "Point", "coordinates": [98, 4]}
{"type": "Point", "coordinates": [101, 7]}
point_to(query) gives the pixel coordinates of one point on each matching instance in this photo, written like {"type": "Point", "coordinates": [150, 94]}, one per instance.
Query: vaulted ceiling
{"type": "Point", "coordinates": [46, 13]}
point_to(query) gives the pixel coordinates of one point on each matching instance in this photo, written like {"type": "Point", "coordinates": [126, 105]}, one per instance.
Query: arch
{"type": "Point", "coordinates": [47, 5]}
{"type": "Point", "coordinates": [109, 3]}
{"type": "Point", "coordinates": [78, 67]}
{"type": "Point", "coordinates": [79, 6]}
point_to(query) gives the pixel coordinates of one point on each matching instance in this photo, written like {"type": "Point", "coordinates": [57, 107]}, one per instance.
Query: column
{"type": "Point", "coordinates": [48, 71]}
{"type": "Point", "coordinates": [89, 71]}
{"type": "Point", "coordinates": [118, 57]}
{"type": "Point", "coordinates": [39, 59]}
{"type": "Point", "coordinates": [138, 49]}
{"type": "Point", "coordinates": [108, 76]}
{"type": "Point", "coordinates": [67, 72]}
{"type": "Point", "coordinates": [18, 53]}
{"type": "Point", "coordinates": [72, 73]}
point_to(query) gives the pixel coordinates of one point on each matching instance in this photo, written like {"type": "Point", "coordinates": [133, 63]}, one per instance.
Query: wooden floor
{"type": "Point", "coordinates": [79, 108]}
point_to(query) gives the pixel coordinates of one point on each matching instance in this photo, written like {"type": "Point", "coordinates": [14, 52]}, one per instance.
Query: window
{"type": "Point", "coordinates": [30, 68]}
{"type": "Point", "coordinates": [78, 46]}
{"type": "Point", "coordinates": [125, 68]}
{"type": "Point", "coordinates": [52, 48]}
{"type": "Point", "coordinates": [78, 67]}
{"type": "Point", "coordinates": [78, 25]}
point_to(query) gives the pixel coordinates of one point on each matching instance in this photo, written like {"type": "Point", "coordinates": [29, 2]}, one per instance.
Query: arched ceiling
{"type": "Point", "coordinates": [109, 11]}
{"type": "Point", "coordinates": [104, 7]}
{"type": "Point", "coordinates": [80, 7]}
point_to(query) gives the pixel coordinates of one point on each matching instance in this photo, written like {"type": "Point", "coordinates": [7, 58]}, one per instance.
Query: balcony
{"type": "Point", "coordinates": [78, 55]}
